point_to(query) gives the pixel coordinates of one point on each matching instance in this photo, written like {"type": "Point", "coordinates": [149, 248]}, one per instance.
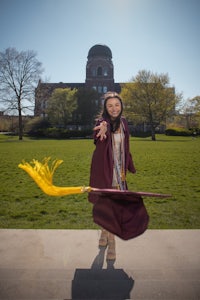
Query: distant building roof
{"type": "Point", "coordinates": [62, 85]}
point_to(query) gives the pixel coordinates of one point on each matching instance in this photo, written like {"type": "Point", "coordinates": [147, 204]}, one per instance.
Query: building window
{"type": "Point", "coordinates": [43, 104]}
{"type": "Point", "coordinates": [99, 89]}
{"type": "Point", "coordinates": [105, 89]}
{"type": "Point", "coordinates": [105, 72]}
{"type": "Point", "coordinates": [93, 72]}
{"type": "Point", "coordinates": [94, 88]}
{"type": "Point", "coordinates": [99, 71]}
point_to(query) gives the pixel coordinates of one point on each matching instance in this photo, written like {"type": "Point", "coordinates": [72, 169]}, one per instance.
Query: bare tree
{"type": "Point", "coordinates": [150, 98]}
{"type": "Point", "coordinates": [19, 73]}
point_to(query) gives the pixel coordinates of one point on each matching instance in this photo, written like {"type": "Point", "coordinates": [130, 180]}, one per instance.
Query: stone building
{"type": "Point", "coordinates": [99, 76]}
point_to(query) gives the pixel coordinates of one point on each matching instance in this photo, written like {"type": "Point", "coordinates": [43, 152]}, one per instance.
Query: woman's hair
{"type": "Point", "coordinates": [114, 125]}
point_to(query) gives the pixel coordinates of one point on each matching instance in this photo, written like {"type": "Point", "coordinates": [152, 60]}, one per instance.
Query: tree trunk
{"type": "Point", "coordinates": [20, 128]}
{"type": "Point", "coordinates": [153, 134]}
{"type": "Point", "coordinates": [20, 121]}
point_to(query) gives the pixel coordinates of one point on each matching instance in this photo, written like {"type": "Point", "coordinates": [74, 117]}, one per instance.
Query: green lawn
{"type": "Point", "coordinates": [169, 165]}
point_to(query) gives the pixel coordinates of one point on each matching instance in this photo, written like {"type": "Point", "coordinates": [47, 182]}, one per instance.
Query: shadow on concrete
{"type": "Point", "coordinates": [99, 283]}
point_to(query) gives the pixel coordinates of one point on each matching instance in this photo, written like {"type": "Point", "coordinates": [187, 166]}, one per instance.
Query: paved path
{"type": "Point", "coordinates": [67, 264]}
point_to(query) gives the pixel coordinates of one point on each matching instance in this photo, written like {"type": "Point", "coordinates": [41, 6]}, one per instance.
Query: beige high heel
{"type": "Point", "coordinates": [103, 241]}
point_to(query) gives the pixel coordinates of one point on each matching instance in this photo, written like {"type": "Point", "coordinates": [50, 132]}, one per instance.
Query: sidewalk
{"type": "Point", "coordinates": [67, 264]}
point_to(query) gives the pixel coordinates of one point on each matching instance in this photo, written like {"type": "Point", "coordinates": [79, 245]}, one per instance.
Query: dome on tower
{"type": "Point", "coordinates": [100, 50]}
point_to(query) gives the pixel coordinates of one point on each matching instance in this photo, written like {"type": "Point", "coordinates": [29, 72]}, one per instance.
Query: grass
{"type": "Point", "coordinates": [169, 165]}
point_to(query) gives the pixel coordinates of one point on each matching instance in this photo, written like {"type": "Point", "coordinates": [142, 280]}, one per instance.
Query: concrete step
{"type": "Point", "coordinates": [67, 264]}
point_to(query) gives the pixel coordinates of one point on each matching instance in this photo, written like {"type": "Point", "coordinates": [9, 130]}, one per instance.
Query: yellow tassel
{"type": "Point", "coordinates": [42, 174]}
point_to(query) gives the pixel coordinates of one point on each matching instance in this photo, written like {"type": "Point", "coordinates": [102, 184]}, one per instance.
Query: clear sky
{"type": "Point", "coordinates": [161, 36]}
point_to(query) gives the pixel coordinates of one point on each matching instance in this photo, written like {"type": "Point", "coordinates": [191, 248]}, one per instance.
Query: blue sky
{"type": "Point", "coordinates": [157, 35]}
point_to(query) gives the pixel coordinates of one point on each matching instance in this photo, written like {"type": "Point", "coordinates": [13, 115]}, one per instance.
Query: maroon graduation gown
{"type": "Point", "coordinates": [125, 217]}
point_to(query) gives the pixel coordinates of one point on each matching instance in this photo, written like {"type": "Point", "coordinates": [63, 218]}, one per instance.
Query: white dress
{"type": "Point", "coordinates": [117, 148]}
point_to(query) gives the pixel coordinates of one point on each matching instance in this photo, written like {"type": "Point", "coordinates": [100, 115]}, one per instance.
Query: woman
{"type": "Point", "coordinates": [111, 158]}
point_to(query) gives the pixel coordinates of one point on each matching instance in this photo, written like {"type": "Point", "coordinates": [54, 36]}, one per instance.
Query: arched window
{"type": "Point", "coordinates": [99, 71]}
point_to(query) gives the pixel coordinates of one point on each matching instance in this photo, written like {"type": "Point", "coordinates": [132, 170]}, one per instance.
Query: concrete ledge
{"type": "Point", "coordinates": [67, 264]}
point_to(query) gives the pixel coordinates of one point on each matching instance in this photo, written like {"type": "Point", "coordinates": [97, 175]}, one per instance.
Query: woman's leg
{"type": "Point", "coordinates": [103, 241]}
{"type": "Point", "coordinates": [111, 253]}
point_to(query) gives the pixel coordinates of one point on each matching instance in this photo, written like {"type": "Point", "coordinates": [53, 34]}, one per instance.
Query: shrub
{"type": "Point", "coordinates": [178, 132]}
{"type": "Point", "coordinates": [60, 133]}
{"type": "Point", "coordinates": [37, 127]}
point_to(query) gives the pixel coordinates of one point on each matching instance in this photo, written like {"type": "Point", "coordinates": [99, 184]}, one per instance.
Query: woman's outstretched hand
{"type": "Point", "coordinates": [102, 127]}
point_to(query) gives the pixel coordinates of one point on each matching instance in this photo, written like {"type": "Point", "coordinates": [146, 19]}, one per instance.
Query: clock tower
{"type": "Point", "coordinates": [99, 69]}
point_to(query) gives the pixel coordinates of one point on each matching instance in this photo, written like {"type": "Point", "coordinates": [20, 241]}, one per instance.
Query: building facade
{"type": "Point", "coordinates": [99, 76]}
